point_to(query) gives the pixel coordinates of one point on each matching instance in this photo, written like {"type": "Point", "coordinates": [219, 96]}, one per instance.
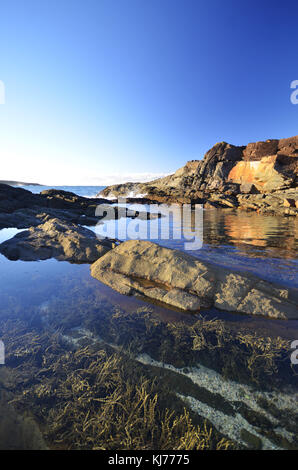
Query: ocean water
{"type": "Point", "coordinates": [85, 191]}
{"type": "Point", "coordinates": [79, 356]}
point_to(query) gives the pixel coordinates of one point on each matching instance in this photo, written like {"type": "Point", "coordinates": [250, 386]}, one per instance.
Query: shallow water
{"type": "Point", "coordinates": [59, 298]}
{"type": "Point", "coordinates": [263, 244]}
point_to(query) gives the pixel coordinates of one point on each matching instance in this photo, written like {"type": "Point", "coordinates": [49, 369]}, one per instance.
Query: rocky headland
{"type": "Point", "coordinates": [260, 176]}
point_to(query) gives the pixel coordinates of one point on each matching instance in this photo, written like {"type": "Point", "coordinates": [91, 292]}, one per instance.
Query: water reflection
{"type": "Point", "coordinates": [263, 244]}
{"type": "Point", "coordinates": [270, 235]}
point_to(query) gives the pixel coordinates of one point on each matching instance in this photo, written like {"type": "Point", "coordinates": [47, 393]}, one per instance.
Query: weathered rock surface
{"type": "Point", "coordinates": [271, 173]}
{"type": "Point", "coordinates": [228, 170]}
{"type": "Point", "coordinates": [180, 280]}
{"type": "Point", "coordinates": [56, 239]}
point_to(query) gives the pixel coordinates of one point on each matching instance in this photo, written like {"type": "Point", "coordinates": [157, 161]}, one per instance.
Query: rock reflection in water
{"type": "Point", "coordinates": [275, 236]}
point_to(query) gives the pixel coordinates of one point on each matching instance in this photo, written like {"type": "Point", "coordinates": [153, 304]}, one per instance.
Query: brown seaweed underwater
{"type": "Point", "coordinates": [85, 372]}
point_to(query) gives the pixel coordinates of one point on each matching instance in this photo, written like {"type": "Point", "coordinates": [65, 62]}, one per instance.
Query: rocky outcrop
{"type": "Point", "coordinates": [12, 199]}
{"type": "Point", "coordinates": [225, 169]}
{"type": "Point", "coordinates": [56, 239]}
{"type": "Point", "coordinates": [21, 209]}
{"type": "Point", "coordinates": [189, 182]}
{"type": "Point", "coordinates": [180, 280]}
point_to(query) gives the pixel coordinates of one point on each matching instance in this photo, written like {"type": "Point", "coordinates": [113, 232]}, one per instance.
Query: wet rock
{"type": "Point", "coordinates": [180, 280]}
{"type": "Point", "coordinates": [56, 239]}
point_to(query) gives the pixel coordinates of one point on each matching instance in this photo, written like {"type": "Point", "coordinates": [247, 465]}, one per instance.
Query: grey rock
{"type": "Point", "coordinates": [180, 280]}
{"type": "Point", "coordinates": [56, 239]}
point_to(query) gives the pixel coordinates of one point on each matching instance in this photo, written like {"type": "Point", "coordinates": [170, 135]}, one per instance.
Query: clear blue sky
{"type": "Point", "coordinates": [96, 88]}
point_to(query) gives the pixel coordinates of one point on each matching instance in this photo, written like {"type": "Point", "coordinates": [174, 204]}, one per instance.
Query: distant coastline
{"type": "Point", "coordinates": [18, 183]}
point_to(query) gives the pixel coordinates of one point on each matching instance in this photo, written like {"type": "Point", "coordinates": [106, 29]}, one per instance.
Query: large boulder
{"type": "Point", "coordinates": [180, 280]}
{"type": "Point", "coordinates": [56, 239]}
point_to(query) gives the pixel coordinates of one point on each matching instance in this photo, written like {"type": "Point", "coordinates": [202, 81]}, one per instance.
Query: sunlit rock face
{"type": "Point", "coordinates": [271, 165]}
{"type": "Point", "coordinates": [267, 174]}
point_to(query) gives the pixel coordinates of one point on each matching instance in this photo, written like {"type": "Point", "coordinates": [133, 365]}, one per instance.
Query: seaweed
{"type": "Point", "coordinates": [100, 397]}
{"type": "Point", "coordinates": [86, 401]}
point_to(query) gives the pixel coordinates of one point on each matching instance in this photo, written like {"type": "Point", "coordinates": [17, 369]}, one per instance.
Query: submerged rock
{"type": "Point", "coordinates": [56, 239]}
{"type": "Point", "coordinates": [180, 280]}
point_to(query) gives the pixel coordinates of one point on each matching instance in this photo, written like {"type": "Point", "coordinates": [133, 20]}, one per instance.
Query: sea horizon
{"type": "Point", "coordinates": [88, 191]}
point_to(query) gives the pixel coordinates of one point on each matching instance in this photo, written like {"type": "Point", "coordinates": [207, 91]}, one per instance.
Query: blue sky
{"type": "Point", "coordinates": [110, 90]}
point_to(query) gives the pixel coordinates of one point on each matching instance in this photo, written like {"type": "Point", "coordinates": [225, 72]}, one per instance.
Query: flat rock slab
{"type": "Point", "coordinates": [56, 239]}
{"type": "Point", "coordinates": [180, 280]}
